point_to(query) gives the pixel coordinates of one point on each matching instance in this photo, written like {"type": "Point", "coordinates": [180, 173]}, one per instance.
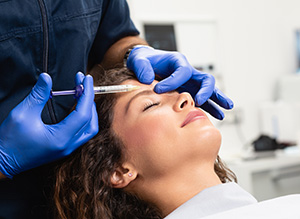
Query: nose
{"type": "Point", "coordinates": [184, 101]}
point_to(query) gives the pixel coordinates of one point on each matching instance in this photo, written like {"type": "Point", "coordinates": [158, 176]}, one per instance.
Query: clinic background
{"type": "Point", "coordinates": [250, 46]}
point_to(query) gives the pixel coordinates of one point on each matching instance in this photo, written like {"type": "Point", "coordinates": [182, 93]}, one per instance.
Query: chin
{"type": "Point", "coordinates": [210, 139]}
{"type": "Point", "coordinates": [217, 137]}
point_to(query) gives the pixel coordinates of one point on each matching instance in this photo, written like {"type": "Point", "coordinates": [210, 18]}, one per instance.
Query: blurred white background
{"type": "Point", "coordinates": [255, 45]}
{"type": "Point", "coordinates": [252, 46]}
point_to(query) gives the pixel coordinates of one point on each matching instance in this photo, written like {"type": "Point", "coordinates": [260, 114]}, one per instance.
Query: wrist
{"type": "Point", "coordinates": [115, 54]}
{"type": "Point", "coordinates": [2, 176]}
{"type": "Point", "coordinates": [3, 167]}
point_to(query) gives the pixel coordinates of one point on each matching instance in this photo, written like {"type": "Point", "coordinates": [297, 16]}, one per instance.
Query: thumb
{"type": "Point", "coordinates": [141, 66]}
{"type": "Point", "coordinates": [40, 92]}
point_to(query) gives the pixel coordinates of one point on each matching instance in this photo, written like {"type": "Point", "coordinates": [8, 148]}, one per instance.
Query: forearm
{"type": "Point", "coordinates": [2, 176]}
{"type": "Point", "coordinates": [115, 54]}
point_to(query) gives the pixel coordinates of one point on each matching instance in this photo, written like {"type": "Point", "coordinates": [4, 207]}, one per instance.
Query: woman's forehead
{"type": "Point", "coordinates": [141, 85]}
{"type": "Point", "coordinates": [124, 98]}
{"type": "Point", "coordinates": [136, 82]}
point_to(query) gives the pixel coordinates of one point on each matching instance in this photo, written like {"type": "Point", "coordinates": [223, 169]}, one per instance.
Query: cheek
{"type": "Point", "coordinates": [154, 130]}
{"type": "Point", "coordinates": [150, 144]}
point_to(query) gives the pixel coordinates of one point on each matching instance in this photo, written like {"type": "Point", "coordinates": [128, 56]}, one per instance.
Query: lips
{"type": "Point", "coordinates": [192, 116]}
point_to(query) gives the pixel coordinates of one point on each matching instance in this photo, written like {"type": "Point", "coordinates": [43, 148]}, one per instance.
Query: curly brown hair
{"type": "Point", "coordinates": [83, 188]}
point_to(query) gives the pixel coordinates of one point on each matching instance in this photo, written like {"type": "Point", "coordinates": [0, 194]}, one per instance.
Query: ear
{"type": "Point", "coordinates": [123, 176]}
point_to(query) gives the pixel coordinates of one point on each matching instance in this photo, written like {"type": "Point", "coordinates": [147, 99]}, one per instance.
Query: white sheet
{"type": "Point", "coordinates": [285, 207]}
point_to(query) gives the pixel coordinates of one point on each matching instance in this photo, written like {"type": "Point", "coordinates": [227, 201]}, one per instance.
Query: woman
{"type": "Point", "coordinates": [153, 155]}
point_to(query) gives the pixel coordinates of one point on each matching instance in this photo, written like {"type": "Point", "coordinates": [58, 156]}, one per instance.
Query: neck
{"type": "Point", "coordinates": [169, 192]}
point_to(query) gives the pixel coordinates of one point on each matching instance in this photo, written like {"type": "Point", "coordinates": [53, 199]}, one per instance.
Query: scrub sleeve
{"type": "Point", "coordinates": [77, 29]}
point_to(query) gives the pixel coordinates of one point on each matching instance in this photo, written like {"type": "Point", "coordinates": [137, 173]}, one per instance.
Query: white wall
{"type": "Point", "coordinates": [257, 45]}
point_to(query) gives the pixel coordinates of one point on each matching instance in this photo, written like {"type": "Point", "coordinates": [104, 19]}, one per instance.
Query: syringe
{"type": "Point", "coordinates": [78, 90]}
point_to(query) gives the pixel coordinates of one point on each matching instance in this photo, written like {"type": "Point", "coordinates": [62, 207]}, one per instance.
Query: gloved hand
{"type": "Point", "coordinates": [26, 142]}
{"type": "Point", "coordinates": [177, 73]}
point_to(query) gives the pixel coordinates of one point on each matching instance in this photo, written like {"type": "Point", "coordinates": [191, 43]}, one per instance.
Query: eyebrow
{"type": "Point", "coordinates": [142, 93]}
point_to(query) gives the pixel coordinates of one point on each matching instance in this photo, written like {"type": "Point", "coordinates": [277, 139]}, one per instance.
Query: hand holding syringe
{"type": "Point", "coordinates": [78, 90]}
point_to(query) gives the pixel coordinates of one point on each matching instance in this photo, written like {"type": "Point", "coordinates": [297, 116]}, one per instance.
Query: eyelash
{"type": "Point", "coordinates": [149, 105]}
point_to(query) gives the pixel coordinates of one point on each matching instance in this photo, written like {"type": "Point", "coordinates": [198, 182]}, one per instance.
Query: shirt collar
{"type": "Point", "coordinates": [213, 200]}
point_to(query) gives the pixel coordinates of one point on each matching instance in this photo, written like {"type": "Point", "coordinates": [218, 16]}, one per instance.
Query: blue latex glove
{"type": "Point", "coordinates": [26, 142]}
{"type": "Point", "coordinates": [177, 73]}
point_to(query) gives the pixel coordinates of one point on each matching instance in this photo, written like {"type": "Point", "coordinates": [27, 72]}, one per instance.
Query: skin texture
{"type": "Point", "coordinates": [175, 162]}
{"type": "Point", "coordinates": [2, 176]}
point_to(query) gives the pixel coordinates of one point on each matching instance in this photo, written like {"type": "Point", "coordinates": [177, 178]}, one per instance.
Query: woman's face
{"type": "Point", "coordinates": [163, 133]}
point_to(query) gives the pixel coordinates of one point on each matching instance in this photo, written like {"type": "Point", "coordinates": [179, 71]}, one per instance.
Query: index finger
{"type": "Point", "coordinates": [206, 89]}
{"type": "Point", "coordinates": [180, 76]}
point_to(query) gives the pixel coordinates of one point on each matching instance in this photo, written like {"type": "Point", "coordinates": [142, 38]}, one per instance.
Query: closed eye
{"type": "Point", "coordinates": [149, 105]}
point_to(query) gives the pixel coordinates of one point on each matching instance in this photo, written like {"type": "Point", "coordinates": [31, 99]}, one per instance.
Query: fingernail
{"type": "Point", "coordinates": [199, 102]}
{"type": "Point", "coordinates": [221, 115]}
{"type": "Point", "coordinates": [230, 104]}
{"type": "Point", "coordinates": [146, 77]}
{"type": "Point", "coordinates": [158, 89]}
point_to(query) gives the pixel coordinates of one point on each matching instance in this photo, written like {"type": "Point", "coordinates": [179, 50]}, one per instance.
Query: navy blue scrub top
{"type": "Point", "coordinates": [57, 37]}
